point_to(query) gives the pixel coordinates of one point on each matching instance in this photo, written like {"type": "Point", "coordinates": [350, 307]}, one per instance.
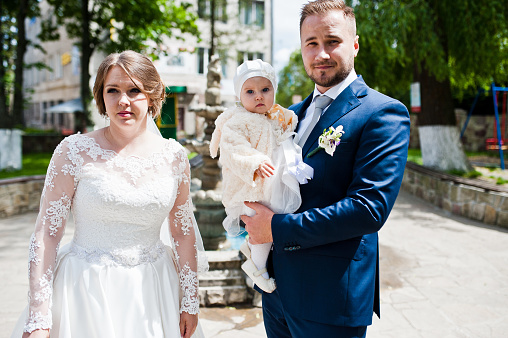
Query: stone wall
{"type": "Point", "coordinates": [478, 130]}
{"type": "Point", "coordinates": [19, 195]}
{"type": "Point", "coordinates": [484, 202]}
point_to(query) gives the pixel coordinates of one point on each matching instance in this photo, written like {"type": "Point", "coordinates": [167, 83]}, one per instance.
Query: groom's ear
{"type": "Point", "coordinates": [356, 45]}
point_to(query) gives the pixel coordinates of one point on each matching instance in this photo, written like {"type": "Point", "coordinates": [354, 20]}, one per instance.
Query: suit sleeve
{"type": "Point", "coordinates": [377, 174]}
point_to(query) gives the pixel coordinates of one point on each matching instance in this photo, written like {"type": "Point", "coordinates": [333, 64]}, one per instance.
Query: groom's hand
{"type": "Point", "coordinates": [259, 226]}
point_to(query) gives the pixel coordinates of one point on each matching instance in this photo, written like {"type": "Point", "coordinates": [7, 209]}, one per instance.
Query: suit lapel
{"type": "Point", "coordinates": [343, 104]}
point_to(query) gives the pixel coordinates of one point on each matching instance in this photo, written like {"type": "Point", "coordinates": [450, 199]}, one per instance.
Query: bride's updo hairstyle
{"type": "Point", "coordinates": [138, 67]}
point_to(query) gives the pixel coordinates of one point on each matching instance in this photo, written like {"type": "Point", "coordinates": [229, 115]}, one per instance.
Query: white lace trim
{"type": "Point", "coordinates": [50, 175]}
{"type": "Point", "coordinates": [33, 257]}
{"type": "Point", "coordinates": [57, 213]}
{"type": "Point", "coordinates": [46, 289]}
{"type": "Point", "coordinates": [134, 166]}
{"type": "Point", "coordinates": [124, 257]}
{"type": "Point", "coordinates": [184, 217]}
{"type": "Point", "coordinates": [189, 284]}
{"type": "Point", "coordinates": [38, 321]}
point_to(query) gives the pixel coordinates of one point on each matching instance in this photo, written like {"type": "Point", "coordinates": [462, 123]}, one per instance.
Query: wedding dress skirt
{"type": "Point", "coordinates": [95, 292]}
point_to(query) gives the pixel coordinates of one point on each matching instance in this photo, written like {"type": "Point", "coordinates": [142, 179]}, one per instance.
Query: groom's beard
{"type": "Point", "coordinates": [327, 81]}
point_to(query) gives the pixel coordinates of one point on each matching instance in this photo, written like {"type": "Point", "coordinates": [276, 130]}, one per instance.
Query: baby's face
{"type": "Point", "coordinates": [257, 95]}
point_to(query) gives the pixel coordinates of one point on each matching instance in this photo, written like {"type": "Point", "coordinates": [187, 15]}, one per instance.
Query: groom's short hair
{"type": "Point", "coordinates": [320, 7]}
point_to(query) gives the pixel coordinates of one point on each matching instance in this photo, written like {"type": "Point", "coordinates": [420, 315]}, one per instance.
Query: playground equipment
{"type": "Point", "coordinates": [498, 142]}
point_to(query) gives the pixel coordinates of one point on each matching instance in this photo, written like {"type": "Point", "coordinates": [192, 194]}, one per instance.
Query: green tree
{"type": "Point", "coordinates": [13, 44]}
{"type": "Point", "coordinates": [293, 80]}
{"type": "Point", "coordinates": [7, 47]}
{"type": "Point", "coordinates": [112, 26]}
{"type": "Point", "coordinates": [449, 47]}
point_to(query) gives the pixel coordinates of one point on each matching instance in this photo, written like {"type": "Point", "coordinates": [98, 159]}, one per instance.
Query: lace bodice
{"type": "Point", "coordinates": [119, 204]}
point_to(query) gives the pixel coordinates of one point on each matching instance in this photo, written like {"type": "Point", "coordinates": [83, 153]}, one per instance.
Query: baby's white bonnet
{"type": "Point", "coordinates": [250, 69]}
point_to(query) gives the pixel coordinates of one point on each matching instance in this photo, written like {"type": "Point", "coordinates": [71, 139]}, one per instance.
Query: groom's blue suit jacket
{"type": "Point", "coordinates": [325, 256]}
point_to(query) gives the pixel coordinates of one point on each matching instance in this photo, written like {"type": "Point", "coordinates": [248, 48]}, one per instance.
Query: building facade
{"type": "Point", "coordinates": [243, 31]}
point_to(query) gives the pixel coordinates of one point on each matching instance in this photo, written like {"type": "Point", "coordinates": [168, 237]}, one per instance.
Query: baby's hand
{"type": "Point", "coordinates": [265, 170]}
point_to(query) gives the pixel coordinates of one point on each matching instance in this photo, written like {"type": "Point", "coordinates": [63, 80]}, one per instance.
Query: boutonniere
{"type": "Point", "coordinates": [328, 140]}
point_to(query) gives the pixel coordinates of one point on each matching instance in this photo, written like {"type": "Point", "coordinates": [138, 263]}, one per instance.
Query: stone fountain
{"type": "Point", "coordinates": [209, 209]}
{"type": "Point", "coordinates": [225, 282]}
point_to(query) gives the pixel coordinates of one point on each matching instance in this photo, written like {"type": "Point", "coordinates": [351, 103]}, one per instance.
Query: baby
{"type": "Point", "coordinates": [260, 162]}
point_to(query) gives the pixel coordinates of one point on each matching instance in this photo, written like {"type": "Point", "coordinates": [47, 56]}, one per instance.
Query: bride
{"type": "Point", "coordinates": [116, 278]}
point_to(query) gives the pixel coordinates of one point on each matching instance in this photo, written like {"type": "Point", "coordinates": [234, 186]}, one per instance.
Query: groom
{"type": "Point", "coordinates": [325, 256]}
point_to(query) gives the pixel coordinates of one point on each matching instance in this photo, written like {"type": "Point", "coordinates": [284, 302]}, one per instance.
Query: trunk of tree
{"type": "Point", "coordinates": [436, 101]}
{"type": "Point", "coordinates": [18, 105]}
{"type": "Point", "coordinates": [212, 29]}
{"type": "Point", "coordinates": [86, 51]}
{"type": "Point", "coordinates": [4, 113]}
{"type": "Point", "coordinates": [439, 135]}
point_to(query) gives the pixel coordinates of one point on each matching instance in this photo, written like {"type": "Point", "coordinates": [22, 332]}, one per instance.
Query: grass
{"type": "Point", "coordinates": [415, 156]}
{"type": "Point", "coordinates": [33, 164]}
{"type": "Point", "coordinates": [37, 164]}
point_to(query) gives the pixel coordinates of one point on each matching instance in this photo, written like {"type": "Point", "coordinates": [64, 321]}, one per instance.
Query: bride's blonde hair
{"type": "Point", "coordinates": [138, 67]}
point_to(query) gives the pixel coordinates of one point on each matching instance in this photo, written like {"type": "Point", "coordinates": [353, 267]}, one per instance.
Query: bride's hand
{"type": "Point", "coordinates": [37, 334]}
{"type": "Point", "coordinates": [188, 324]}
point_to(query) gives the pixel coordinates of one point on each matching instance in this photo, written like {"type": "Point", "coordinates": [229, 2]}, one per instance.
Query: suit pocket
{"type": "Point", "coordinates": [352, 249]}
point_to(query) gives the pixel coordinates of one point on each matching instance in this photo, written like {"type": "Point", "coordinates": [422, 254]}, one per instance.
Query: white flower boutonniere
{"type": "Point", "coordinates": [328, 141]}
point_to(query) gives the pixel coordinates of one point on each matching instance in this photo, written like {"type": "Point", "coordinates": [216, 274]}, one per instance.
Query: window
{"type": "Point", "coordinates": [244, 56]}
{"type": "Point", "coordinates": [223, 55]}
{"type": "Point", "coordinates": [201, 60]}
{"type": "Point", "coordinates": [241, 58]}
{"type": "Point", "coordinates": [175, 60]}
{"type": "Point", "coordinates": [204, 9]}
{"type": "Point", "coordinates": [45, 116]}
{"type": "Point", "coordinates": [252, 12]}
{"type": "Point", "coordinates": [58, 66]}
{"type": "Point", "coordinates": [51, 72]}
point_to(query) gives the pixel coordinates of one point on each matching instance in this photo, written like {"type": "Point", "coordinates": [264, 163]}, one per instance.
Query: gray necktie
{"type": "Point", "coordinates": [321, 103]}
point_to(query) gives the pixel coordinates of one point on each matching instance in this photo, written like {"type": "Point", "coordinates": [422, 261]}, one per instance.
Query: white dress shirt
{"type": "Point", "coordinates": [332, 93]}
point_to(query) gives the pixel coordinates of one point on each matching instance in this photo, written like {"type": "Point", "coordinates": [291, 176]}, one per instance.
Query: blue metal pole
{"type": "Point", "coordinates": [499, 135]}
{"type": "Point", "coordinates": [470, 112]}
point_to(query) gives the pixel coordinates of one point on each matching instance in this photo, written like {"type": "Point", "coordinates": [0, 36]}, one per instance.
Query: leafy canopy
{"type": "Point", "coordinates": [465, 41]}
{"type": "Point", "coordinates": [293, 80]}
{"type": "Point", "coordinates": [119, 25]}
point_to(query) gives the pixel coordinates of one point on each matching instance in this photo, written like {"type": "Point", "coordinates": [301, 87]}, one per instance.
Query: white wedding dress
{"type": "Point", "coordinates": [116, 278]}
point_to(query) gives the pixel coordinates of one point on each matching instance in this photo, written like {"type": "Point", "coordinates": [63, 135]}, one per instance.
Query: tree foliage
{"type": "Point", "coordinates": [465, 42]}
{"type": "Point", "coordinates": [112, 26]}
{"type": "Point", "coordinates": [13, 45]}
{"type": "Point", "coordinates": [293, 80]}
{"type": "Point", "coordinates": [450, 47]}
{"type": "Point", "coordinates": [139, 25]}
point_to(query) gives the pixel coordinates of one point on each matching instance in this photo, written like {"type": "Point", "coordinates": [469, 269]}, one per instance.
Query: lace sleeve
{"type": "Point", "coordinates": [55, 204]}
{"type": "Point", "coordinates": [182, 223]}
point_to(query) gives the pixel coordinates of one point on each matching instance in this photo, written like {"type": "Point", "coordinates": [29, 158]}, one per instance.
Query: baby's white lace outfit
{"type": "Point", "coordinates": [246, 140]}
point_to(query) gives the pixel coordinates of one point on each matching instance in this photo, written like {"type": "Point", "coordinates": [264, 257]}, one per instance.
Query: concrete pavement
{"type": "Point", "coordinates": [441, 276]}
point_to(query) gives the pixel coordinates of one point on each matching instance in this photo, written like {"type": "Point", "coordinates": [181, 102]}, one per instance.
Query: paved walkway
{"type": "Point", "coordinates": [441, 276]}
